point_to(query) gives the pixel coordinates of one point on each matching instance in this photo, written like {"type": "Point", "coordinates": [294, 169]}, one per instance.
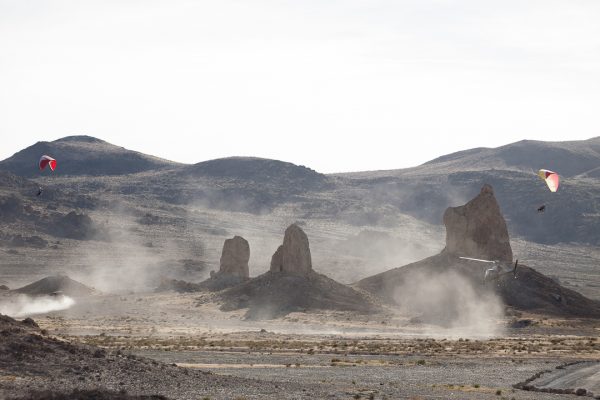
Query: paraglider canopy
{"type": "Point", "coordinates": [47, 161]}
{"type": "Point", "coordinates": [552, 179]}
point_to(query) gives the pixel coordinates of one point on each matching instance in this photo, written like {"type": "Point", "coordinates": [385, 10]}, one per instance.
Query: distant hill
{"type": "Point", "coordinates": [259, 170]}
{"type": "Point", "coordinates": [82, 155]}
{"type": "Point", "coordinates": [249, 184]}
{"type": "Point", "coordinates": [569, 158]}
{"type": "Point", "coordinates": [572, 213]}
{"type": "Point", "coordinates": [368, 198]}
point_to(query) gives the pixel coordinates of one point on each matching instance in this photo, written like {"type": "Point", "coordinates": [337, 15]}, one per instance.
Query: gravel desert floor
{"type": "Point", "coordinates": [188, 349]}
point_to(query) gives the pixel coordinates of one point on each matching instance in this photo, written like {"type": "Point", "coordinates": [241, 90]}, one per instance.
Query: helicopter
{"type": "Point", "coordinates": [497, 269]}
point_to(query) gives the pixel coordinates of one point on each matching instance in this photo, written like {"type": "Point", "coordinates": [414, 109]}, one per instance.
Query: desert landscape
{"type": "Point", "coordinates": [127, 276]}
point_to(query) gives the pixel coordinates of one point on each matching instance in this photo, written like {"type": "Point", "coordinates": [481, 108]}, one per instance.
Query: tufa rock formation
{"type": "Point", "coordinates": [277, 260]}
{"type": "Point", "coordinates": [477, 229]}
{"type": "Point", "coordinates": [233, 269]}
{"type": "Point", "coordinates": [291, 285]}
{"type": "Point", "coordinates": [293, 257]}
{"type": "Point", "coordinates": [234, 258]}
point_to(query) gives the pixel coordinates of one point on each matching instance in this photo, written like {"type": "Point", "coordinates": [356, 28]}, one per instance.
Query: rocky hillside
{"type": "Point", "coordinates": [370, 199]}
{"type": "Point", "coordinates": [42, 367]}
{"type": "Point", "coordinates": [571, 158]}
{"type": "Point", "coordinates": [82, 155]}
{"type": "Point", "coordinates": [260, 171]}
{"type": "Point", "coordinates": [572, 213]}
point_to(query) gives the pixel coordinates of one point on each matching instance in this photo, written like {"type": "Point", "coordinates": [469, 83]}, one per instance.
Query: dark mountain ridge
{"type": "Point", "coordinates": [570, 158]}
{"type": "Point", "coordinates": [367, 198]}
{"type": "Point", "coordinates": [82, 155]}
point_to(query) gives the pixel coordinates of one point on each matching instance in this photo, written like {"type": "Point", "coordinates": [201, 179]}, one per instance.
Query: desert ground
{"type": "Point", "coordinates": [313, 355]}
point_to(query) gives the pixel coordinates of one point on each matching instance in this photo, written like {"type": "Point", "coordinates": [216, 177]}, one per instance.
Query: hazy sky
{"type": "Point", "coordinates": [335, 85]}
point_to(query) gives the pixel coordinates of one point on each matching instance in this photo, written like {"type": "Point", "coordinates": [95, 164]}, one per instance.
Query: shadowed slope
{"type": "Point", "coordinates": [273, 295]}
{"type": "Point", "coordinates": [57, 283]}
{"type": "Point", "coordinates": [530, 291]}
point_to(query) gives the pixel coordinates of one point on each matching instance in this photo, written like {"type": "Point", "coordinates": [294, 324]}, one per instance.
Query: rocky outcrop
{"type": "Point", "coordinates": [478, 229]}
{"type": "Point", "coordinates": [291, 285]}
{"type": "Point", "coordinates": [293, 257]}
{"type": "Point", "coordinates": [233, 270]}
{"type": "Point", "coordinates": [234, 258]}
{"type": "Point", "coordinates": [277, 260]}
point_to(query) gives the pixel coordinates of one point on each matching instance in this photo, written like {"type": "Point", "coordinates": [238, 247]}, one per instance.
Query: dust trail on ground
{"type": "Point", "coordinates": [24, 306]}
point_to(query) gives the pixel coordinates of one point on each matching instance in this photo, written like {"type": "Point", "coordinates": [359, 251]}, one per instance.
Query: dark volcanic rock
{"type": "Point", "coordinates": [478, 229]}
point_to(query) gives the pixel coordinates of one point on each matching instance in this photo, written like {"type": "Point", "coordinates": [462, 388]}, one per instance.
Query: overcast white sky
{"type": "Point", "coordinates": [342, 85]}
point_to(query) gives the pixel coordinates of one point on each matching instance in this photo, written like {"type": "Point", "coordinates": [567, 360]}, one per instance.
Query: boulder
{"type": "Point", "coordinates": [478, 229]}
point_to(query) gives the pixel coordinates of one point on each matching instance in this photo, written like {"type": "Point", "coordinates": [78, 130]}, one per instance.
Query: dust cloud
{"type": "Point", "coordinates": [136, 256]}
{"type": "Point", "coordinates": [372, 251]}
{"type": "Point", "coordinates": [451, 305]}
{"type": "Point", "coordinates": [24, 306]}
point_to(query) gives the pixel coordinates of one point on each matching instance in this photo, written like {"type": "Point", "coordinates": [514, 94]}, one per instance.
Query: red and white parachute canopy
{"type": "Point", "coordinates": [552, 179]}
{"type": "Point", "coordinates": [47, 161]}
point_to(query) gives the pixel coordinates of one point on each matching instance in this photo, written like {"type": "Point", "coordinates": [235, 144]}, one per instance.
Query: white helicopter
{"type": "Point", "coordinates": [497, 269]}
